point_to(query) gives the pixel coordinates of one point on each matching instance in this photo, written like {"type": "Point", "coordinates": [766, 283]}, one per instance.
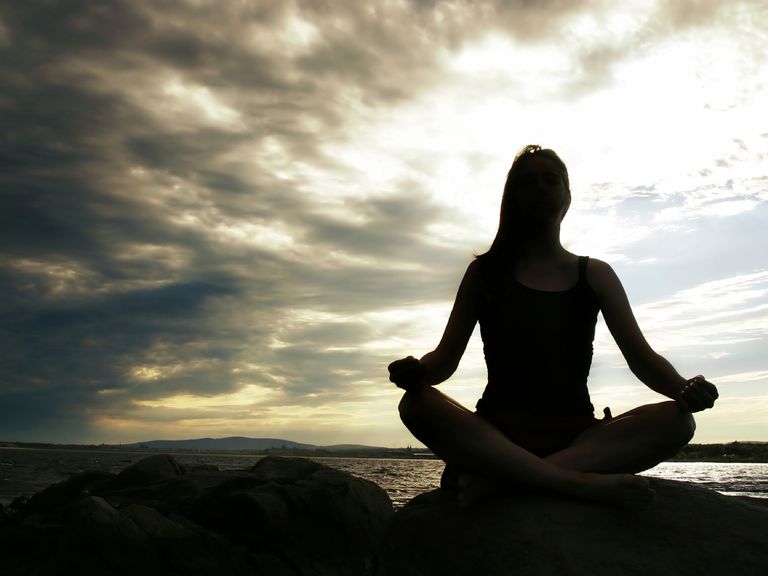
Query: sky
{"type": "Point", "coordinates": [227, 218]}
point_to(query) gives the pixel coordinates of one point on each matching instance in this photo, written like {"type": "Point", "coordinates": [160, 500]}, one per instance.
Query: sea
{"type": "Point", "coordinates": [25, 471]}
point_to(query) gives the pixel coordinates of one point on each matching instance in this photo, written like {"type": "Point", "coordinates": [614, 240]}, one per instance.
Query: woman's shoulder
{"type": "Point", "coordinates": [479, 277]}
{"type": "Point", "coordinates": [484, 269]}
{"type": "Point", "coordinates": [601, 276]}
{"type": "Point", "coordinates": [596, 265]}
{"type": "Point", "coordinates": [475, 271]}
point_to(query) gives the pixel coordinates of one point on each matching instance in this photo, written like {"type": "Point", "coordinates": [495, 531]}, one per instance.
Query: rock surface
{"type": "Point", "coordinates": [689, 530]}
{"type": "Point", "coordinates": [282, 517]}
{"type": "Point", "coordinates": [296, 517]}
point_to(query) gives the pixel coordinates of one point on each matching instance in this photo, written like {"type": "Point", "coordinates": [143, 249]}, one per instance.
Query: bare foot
{"type": "Point", "coordinates": [626, 490]}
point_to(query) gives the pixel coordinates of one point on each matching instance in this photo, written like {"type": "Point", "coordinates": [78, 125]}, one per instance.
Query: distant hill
{"type": "Point", "coordinates": [279, 446]}
{"type": "Point", "coordinates": [230, 443]}
{"type": "Point", "coordinates": [244, 443]}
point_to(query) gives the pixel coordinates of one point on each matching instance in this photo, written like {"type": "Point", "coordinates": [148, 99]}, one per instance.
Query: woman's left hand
{"type": "Point", "coordinates": [697, 395]}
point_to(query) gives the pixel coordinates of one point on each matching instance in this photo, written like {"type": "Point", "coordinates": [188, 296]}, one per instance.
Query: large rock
{"type": "Point", "coordinates": [283, 517]}
{"type": "Point", "coordinates": [689, 530]}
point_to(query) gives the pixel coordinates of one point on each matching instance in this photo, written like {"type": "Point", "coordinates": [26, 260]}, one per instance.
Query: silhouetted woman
{"type": "Point", "coordinates": [537, 306]}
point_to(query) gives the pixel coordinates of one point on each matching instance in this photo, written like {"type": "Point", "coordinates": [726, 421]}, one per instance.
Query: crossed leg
{"type": "Point", "coordinates": [462, 438]}
{"type": "Point", "coordinates": [631, 442]}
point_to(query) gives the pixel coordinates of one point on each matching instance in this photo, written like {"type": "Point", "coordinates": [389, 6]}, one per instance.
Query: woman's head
{"type": "Point", "coordinates": [535, 171]}
{"type": "Point", "coordinates": [537, 189]}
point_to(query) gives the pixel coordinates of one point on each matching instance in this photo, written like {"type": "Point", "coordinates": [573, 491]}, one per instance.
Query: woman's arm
{"type": "Point", "coordinates": [438, 365]}
{"type": "Point", "coordinates": [651, 368]}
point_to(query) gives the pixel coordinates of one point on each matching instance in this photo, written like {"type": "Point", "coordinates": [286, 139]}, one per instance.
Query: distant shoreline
{"type": "Point", "coordinates": [737, 452]}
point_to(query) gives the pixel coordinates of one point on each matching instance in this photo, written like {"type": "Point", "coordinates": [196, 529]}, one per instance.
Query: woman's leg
{"type": "Point", "coordinates": [464, 439]}
{"type": "Point", "coordinates": [631, 442]}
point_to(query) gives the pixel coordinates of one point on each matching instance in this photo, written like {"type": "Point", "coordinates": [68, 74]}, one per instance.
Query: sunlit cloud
{"type": "Point", "coordinates": [716, 313]}
{"type": "Point", "coordinates": [247, 395]}
{"type": "Point", "coordinates": [198, 102]}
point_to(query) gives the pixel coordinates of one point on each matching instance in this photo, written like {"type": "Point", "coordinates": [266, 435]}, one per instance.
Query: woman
{"type": "Point", "coordinates": [537, 305]}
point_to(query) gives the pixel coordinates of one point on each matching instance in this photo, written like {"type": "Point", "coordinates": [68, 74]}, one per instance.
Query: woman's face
{"type": "Point", "coordinates": [539, 192]}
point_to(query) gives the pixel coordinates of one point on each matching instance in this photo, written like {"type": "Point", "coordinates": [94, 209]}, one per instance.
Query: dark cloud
{"type": "Point", "coordinates": [101, 276]}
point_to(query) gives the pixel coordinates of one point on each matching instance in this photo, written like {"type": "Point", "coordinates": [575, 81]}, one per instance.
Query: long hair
{"type": "Point", "coordinates": [508, 232]}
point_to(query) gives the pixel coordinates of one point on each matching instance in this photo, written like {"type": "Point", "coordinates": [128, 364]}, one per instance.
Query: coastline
{"type": "Point", "coordinates": [25, 470]}
{"type": "Point", "coordinates": [737, 451]}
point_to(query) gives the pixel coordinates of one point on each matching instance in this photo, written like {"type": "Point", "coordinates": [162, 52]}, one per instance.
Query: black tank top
{"type": "Point", "coordinates": [538, 347]}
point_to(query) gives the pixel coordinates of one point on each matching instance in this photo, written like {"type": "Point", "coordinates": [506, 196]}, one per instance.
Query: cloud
{"type": "Point", "coordinates": [716, 312]}
{"type": "Point", "coordinates": [204, 199]}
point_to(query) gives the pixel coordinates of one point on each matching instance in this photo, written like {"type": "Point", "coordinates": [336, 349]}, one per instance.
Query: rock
{"type": "Point", "coordinates": [302, 512]}
{"type": "Point", "coordinates": [154, 468]}
{"type": "Point", "coordinates": [689, 530]}
{"type": "Point", "coordinates": [296, 517]}
{"type": "Point", "coordinates": [63, 492]}
{"type": "Point", "coordinates": [283, 517]}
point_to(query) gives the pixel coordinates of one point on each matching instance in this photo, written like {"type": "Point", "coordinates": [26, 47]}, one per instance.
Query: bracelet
{"type": "Point", "coordinates": [690, 383]}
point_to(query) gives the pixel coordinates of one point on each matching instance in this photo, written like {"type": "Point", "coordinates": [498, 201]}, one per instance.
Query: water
{"type": "Point", "coordinates": [731, 478]}
{"type": "Point", "coordinates": [404, 479]}
{"type": "Point", "coordinates": [24, 471]}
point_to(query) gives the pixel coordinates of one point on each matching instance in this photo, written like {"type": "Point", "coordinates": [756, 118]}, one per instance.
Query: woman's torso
{"type": "Point", "coordinates": [537, 345]}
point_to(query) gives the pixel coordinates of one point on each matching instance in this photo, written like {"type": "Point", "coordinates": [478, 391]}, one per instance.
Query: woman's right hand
{"type": "Point", "coordinates": [697, 395]}
{"type": "Point", "coordinates": [406, 373]}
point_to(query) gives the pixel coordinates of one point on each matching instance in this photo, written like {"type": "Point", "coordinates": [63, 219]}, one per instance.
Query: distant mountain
{"type": "Point", "coordinates": [230, 443]}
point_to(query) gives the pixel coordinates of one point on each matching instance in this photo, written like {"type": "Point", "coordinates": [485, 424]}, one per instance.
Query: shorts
{"type": "Point", "coordinates": [541, 435]}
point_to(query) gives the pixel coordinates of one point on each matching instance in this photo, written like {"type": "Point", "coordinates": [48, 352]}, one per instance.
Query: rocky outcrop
{"type": "Point", "coordinates": [282, 517]}
{"type": "Point", "coordinates": [295, 517]}
{"type": "Point", "coordinates": [689, 530]}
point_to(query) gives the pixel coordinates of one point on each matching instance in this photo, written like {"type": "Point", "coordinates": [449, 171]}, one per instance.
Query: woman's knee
{"type": "Point", "coordinates": [689, 426]}
{"type": "Point", "coordinates": [410, 407]}
{"type": "Point", "coordinates": [667, 425]}
{"type": "Point", "coordinates": [681, 425]}
{"type": "Point", "coordinates": [418, 405]}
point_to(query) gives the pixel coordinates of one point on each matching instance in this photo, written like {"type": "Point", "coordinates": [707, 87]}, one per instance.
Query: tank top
{"type": "Point", "coordinates": [538, 348]}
